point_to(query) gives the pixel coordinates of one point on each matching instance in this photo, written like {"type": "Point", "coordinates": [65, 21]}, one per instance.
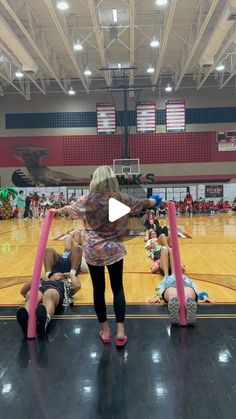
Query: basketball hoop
{"type": "Point", "coordinates": [126, 167]}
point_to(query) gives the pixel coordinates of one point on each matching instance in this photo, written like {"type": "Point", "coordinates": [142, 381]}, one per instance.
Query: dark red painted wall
{"type": "Point", "coordinates": [83, 150]}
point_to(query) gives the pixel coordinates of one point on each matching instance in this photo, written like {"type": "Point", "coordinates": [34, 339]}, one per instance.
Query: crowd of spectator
{"type": "Point", "coordinates": [200, 206]}
{"type": "Point", "coordinates": [35, 205]}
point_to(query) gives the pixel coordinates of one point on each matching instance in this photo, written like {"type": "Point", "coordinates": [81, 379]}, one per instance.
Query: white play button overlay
{"type": "Point", "coordinates": [116, 210]}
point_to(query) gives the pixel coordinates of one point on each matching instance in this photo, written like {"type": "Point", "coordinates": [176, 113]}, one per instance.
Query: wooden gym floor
{"type": "Point", "coordinates": [209, 255]}
{"type": "Point", "coordinates": [164, 371]}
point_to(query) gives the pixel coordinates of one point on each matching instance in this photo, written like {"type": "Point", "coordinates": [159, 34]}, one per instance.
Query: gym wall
{"type": "Point", "coordinates": [63, 129]}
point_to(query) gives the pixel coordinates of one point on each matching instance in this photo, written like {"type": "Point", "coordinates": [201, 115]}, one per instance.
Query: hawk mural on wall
{"type": "Point", "coordinates": [38, 174]}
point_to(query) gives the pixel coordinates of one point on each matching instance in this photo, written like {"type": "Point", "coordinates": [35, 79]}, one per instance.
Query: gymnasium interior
{"type": "Point", "coordinates": [147, 88]}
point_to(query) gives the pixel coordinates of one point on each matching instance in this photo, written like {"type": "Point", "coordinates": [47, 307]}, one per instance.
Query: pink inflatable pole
{"type": "Point", "coordinates": [177, 263]}
{"type": "Point", "coordinates": [31, 331]}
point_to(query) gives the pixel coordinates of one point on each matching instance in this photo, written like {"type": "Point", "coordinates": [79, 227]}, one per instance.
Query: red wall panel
{"type": "Point", "coordinates": [85, 150]}
{"type": "Point", "coordinates": [70, 150]}
{"type": "Point", "coordinates": [172, 148]}
{"type": "Point", "coordinates": [91, 149]}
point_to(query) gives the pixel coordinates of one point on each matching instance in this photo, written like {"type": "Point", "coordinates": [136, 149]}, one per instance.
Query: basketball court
{"type": "Point", "coordinates": [156, 367]}
{"type": "Point", "coordinates": [208, 256]}
{"type": "Point", "coordinates": [147, 88]}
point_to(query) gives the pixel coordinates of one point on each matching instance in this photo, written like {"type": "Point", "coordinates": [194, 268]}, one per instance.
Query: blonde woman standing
{"type": "Point", "coordinates": [103, 244]}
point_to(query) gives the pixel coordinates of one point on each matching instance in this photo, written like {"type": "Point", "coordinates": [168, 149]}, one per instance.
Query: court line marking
{"type": "Point", "coordinates": [138, 302]}
{"type": "Point", "coordinates": [129, 316]}
{"type": "Point", "coordinates": [133, 303]}
{"type": "Point", "coordinates": [17, 229]}
{"type": "Point", "coordinates": [215, 283]}
{"type": "Point", "coordinates": [131, 272]}
{"type": "Point", "coordinates": [211, 243]}
{"type": "Point", "coordinates": [184, 233]}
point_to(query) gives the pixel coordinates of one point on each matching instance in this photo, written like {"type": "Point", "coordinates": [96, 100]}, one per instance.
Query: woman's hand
{"type": "Point", "coordinates": [157, 198]}
{"type": "Point", "coordinates": [54, 210]}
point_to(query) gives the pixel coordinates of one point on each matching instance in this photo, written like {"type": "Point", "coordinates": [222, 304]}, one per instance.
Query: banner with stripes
{"type": "Point", "coordinates": [146, 117]}
{"type": "Point", "coordinates": [175, 116]}
{"type": "Point", "coordinates": [106, 118]}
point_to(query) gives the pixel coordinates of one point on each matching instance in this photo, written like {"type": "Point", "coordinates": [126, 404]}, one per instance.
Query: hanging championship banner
{"type": "Point", "coordinates": [175, 116]}
{"type": "Point", "coordinates": [146, 117]}
{"type": "Point", "coordinates": [106, 118]}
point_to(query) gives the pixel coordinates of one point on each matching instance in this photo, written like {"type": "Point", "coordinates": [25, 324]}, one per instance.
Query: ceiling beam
{"type": "Point", "coordinates": [32, 43]}
{"type": "Point", "coordinates": [64, 39]}
{"type": "Point", "coordinates": [2, 75]}
{"type": "Point", "coordinates": [187, 62]}
{"type": "Point", "coordinates": [169, 15]}
{"type": "Point", "coordinates": [31, 78]}
{"type": "Point", "coordinates": [228, 79]}
{"type": "Point", "coordinates": [114, 40]}
{"type": "Point", "coordinates": [99, 37]}
{"type": "Point", "coordinates": [17, 64]}
{"type": "Point", "coordinates": [30, 20]}
{"type": "Point", "coordinates": [218, 58]}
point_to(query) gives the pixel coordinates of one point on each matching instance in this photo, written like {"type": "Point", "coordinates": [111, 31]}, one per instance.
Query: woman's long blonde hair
{"type": "Point", "coordinates": [104, 180]}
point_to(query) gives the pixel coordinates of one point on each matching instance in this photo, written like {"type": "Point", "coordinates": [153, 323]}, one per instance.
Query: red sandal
{"type": "Point", "coordinates": [105, 340]}
{"type": "Point", "coordinates": [121, 342]}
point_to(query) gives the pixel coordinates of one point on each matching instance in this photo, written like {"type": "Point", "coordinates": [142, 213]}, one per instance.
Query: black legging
{"type": "Point", "coordinates": [116, 278]}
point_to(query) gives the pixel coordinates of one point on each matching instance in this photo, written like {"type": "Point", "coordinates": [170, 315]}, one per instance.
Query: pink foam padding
{"type": "Point", "coordinates": [31, 332]}
{"type": "Point", "coordinates": [177, 262]}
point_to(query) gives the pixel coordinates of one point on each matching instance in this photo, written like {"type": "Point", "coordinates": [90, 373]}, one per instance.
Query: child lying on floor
{"type": "Point", "coordinates": [54, 291]}
{"type": "Point", "coordinates": [167, 291]}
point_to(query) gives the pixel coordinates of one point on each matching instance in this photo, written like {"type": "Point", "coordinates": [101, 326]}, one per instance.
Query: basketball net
{"type": "Point", "coordinates": [126, 174]}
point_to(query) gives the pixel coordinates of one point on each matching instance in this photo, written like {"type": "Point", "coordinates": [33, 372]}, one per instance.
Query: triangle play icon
{"type": "Point", "coordinates": [116, 210]}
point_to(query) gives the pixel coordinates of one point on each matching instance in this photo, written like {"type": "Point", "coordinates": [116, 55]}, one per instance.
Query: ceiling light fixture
{"type": "Point", "coordinates": [115, 15]}
{"type": "Point", "coordinates": [78, 46]}
{"type": "Point", "coordinates": [168, 88]}
{"type": "Point", "coordinates": [19, 74]}
{"type": "Point", "coordinates": [71, 91]}
{"type": "Point", "coordinates": [87, 72]}
{"type": "Point", "coordinates": [155, 43]}
{"type": "Point", "coordinates": [161, 2]}
{"type": "Point", "coordinates": [62, 5]}
{"type": "Point", "coordinates": [220, 67]}
{"type": "Point", "coordinates": [150, 69]}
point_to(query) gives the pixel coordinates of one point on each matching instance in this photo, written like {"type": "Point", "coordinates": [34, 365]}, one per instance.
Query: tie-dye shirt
{"type": "Point", "coordinates": [103, 240]}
